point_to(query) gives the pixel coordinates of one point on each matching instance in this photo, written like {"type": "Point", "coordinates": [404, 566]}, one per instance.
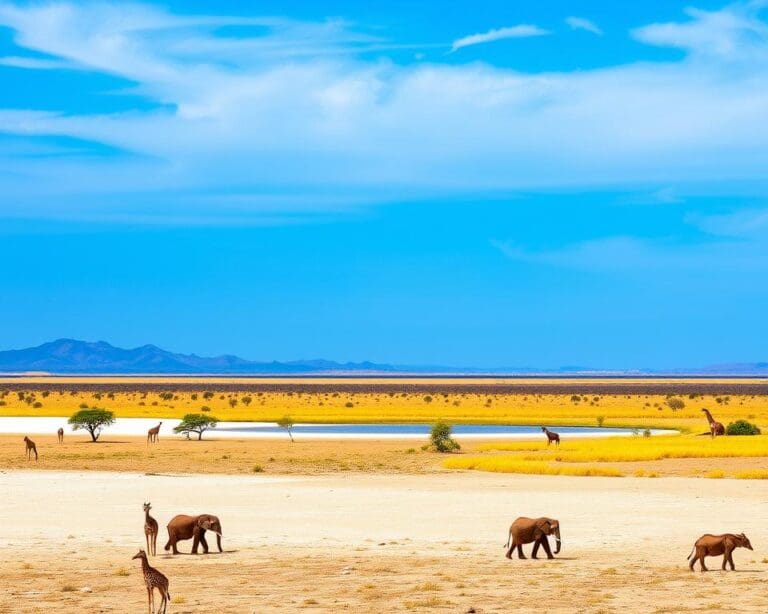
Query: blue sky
{"type": "Point", "coordinates": [463, 183]}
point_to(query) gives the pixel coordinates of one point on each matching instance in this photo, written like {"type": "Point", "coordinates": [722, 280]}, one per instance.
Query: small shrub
{"type": "Point", "coordinates": [675, 403]}
{"type": "Point", "coordinates": [37, 405]}
{"type": "Point", "coordinates": [647, 433]}
{"type": "Point", "coordinates": [349, 404]}
{"type": "Point", "coordinates": [258, 469]}
{"type": "Point", "coordinates": [600, 420]}
{"type": "Point", "coordinates": [742, 427]}
{"type": "Point", "coordinates": [441, 439]}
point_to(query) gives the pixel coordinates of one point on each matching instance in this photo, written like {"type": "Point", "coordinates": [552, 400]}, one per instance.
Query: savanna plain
{"type": "Point", "coordinates": [389, 525]}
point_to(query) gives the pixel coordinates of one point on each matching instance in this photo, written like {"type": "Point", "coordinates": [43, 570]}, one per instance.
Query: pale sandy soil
{"type": "Point", "coordinates": [379, 543]}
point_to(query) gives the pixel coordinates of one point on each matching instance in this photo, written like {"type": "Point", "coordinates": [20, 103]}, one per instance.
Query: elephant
{"type": "Point", "coordinates": [715, 545]}
{"type": "Point", "coordinates": [185, 527]}
{"type": "Point", "coordinates": [527, 530]}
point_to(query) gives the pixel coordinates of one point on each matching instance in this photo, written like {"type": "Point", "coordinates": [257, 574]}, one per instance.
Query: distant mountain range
{"type": "Point", "coordinates": [70, 356]}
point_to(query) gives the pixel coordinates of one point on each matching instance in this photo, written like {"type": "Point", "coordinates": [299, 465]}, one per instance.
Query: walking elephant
{"type": "Point", "coordinates": [185, 527]}
{"type": "Point", "coordinates": [527, 530]}
{"type": "Point", "coordinates": [715, 545]}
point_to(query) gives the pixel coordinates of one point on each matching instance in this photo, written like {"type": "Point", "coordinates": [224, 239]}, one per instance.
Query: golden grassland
{"type": "Point", "coordinates": [572, 458]}
{"type": "Point", "coordinates": [22, 398]}
{"type": "Point", "coordinates": [638, 456]}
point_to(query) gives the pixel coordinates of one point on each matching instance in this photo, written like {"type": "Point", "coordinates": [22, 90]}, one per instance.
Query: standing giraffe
{"type": "Point", "coordinates": [715, 428]}
{"type": "Point", "coordinates": [60, 434]}
{"type": "Point", "coordinates": [154, 580]}
{"type": "Point", "coordinates": [31, 447]}
{"type": "Point", "coordinates": [150, 530]}
{"type": "Point", "coordinates": [152, 434]}
{"type": "Point", "coordinates": [551, 436]}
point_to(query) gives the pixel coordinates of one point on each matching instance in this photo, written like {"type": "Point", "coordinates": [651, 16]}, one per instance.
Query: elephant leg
{"type": "Point", "coordinates": [701, 560]}
{"type": "Point", "coordinates": [693, 561]}
{"type": "Point", "coordinates": [204, 542]}
{"type": "Point", "coordinates": [545, 545]}
{"type": "Point", "coordinates": [195, 542]}
{"type": "Point", "coordinates": [535, 550]}
{"type": "Point", "coordinates": [520, 554]}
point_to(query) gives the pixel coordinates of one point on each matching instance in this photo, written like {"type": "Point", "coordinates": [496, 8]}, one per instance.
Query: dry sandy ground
{"type": "Point", "coordinates": [379, 543]}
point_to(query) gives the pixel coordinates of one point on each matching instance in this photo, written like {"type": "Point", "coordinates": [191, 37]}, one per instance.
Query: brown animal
{"type": "Point", "coordinates": [715, 428]}
{"type": "Point", "coordinates": [551, 436]}
{"type": "Point", "coordinates": [715, 545]}
{"type": "Point", "coordinates": [527, 530]}
{"type": "Point", "coordinates": [151, 530]}
{"type": "Point", "coordinates": [154, 580]}
{"type": "Point", "coordinates": [60, 434]}
{"type": "Point", "coordinates": [31, 447]}
{"type": "Point", "coordinates": [193, 527]}
{"type": "Point", "coordinates": [153, 433]}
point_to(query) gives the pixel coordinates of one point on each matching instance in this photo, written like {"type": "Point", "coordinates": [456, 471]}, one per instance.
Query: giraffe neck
{"type": "Point", "coordinates": [145, 565]}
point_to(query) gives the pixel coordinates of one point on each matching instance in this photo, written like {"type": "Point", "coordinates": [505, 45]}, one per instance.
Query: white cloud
{"type": "Point", "coordinates": [622, 255]}
{"type": "Point", "coordinates": [296, 106]}
{"type": "Point", "coordinates": [735, 32]}
{"type": "Point", "coordinates": [579, 23]}
{"type": "Point", "coordinates": [519, 31]}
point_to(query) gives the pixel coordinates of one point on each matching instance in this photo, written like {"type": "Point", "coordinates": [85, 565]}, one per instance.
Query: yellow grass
{"type": "Point", "coordinates": [570, 457]}
{"type": "Point", "coordinates": [756, 474]}
{"type": "Point", "coordinates": [623, 449]}
{"type": "Point", "coordinates": [330, 406]}
{"type": "Point", "coordinates": [511, 464]}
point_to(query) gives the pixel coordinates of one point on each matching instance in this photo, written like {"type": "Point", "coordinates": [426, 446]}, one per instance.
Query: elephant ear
{"type": "Point", "coordinates": [205, 523]}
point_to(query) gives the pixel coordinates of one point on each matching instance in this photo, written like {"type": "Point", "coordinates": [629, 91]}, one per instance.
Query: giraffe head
{"type": "Point", "coordinates": [147, 507]}
{"type": "Point", "coordinates": [139, 555]}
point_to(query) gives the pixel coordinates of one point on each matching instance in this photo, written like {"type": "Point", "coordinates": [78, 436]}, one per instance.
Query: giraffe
{"type": "Point", "coordinates": [31, 447]}
{"type": "Point", "coordinates": [151, 530]}
{"type": "Point", "coordinates": [60, 434]}
{"type": "Point", "coordinates": [152, 434]}
{"type": "Point", "coordinates": [154, 580]}
{"type": "Point", "coordinates": [551, 436]}
{"type": "Point", "coordinates": [715, 428]}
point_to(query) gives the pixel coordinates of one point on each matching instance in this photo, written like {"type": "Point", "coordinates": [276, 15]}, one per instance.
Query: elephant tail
{"type": "Point", "coordinates": [692, 551]}
{"type": "Point", "coordinates": [509, 538]}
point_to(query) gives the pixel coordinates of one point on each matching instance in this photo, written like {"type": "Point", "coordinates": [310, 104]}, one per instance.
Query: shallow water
{"type": "Point", "coordinates": [267, 430]}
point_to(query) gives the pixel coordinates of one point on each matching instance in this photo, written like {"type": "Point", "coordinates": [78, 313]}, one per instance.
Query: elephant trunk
{"type": "Point", "coordinates": [218, 540]}
{"type": "Point", "coordinates": [557, 540]}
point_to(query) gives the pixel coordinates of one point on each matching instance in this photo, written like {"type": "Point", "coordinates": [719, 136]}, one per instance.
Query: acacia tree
{"type": "Point", "coordinates": [92, 420]}
{"type": "Point", "coordinates": [286, 422]}
{"type": "Point", "coordinates": [196, 423]}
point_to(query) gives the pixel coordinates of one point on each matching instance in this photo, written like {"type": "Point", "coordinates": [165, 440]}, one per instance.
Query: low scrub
{"type": "Point", "coordinates": [742, 427]}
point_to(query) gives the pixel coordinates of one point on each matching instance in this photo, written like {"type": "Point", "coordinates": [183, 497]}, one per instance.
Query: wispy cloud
{"type": "Point", "coordinates": [622, 255]}
{"type": "Point", "coordinates": [580, 23]}
{"type": "Point", "coordinates": [306, 107]}
{"type": "Point", "coordinates": [519, 31]}
{"type": "Point", "coordinates": [734, 32]}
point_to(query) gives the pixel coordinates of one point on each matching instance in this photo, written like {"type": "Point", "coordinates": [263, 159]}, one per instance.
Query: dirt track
{"type": "Point", "coordinates": [380, 543]}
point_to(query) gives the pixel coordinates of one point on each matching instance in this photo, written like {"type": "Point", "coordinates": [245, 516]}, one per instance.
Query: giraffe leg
{"type": "Point", "coordinates": [149, 599]}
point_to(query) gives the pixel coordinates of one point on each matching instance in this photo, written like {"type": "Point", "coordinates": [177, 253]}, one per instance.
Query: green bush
{"type": "Point", "coordinates": [441, 439]}
{"type": "Point", "coordinates": [742, 427]}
